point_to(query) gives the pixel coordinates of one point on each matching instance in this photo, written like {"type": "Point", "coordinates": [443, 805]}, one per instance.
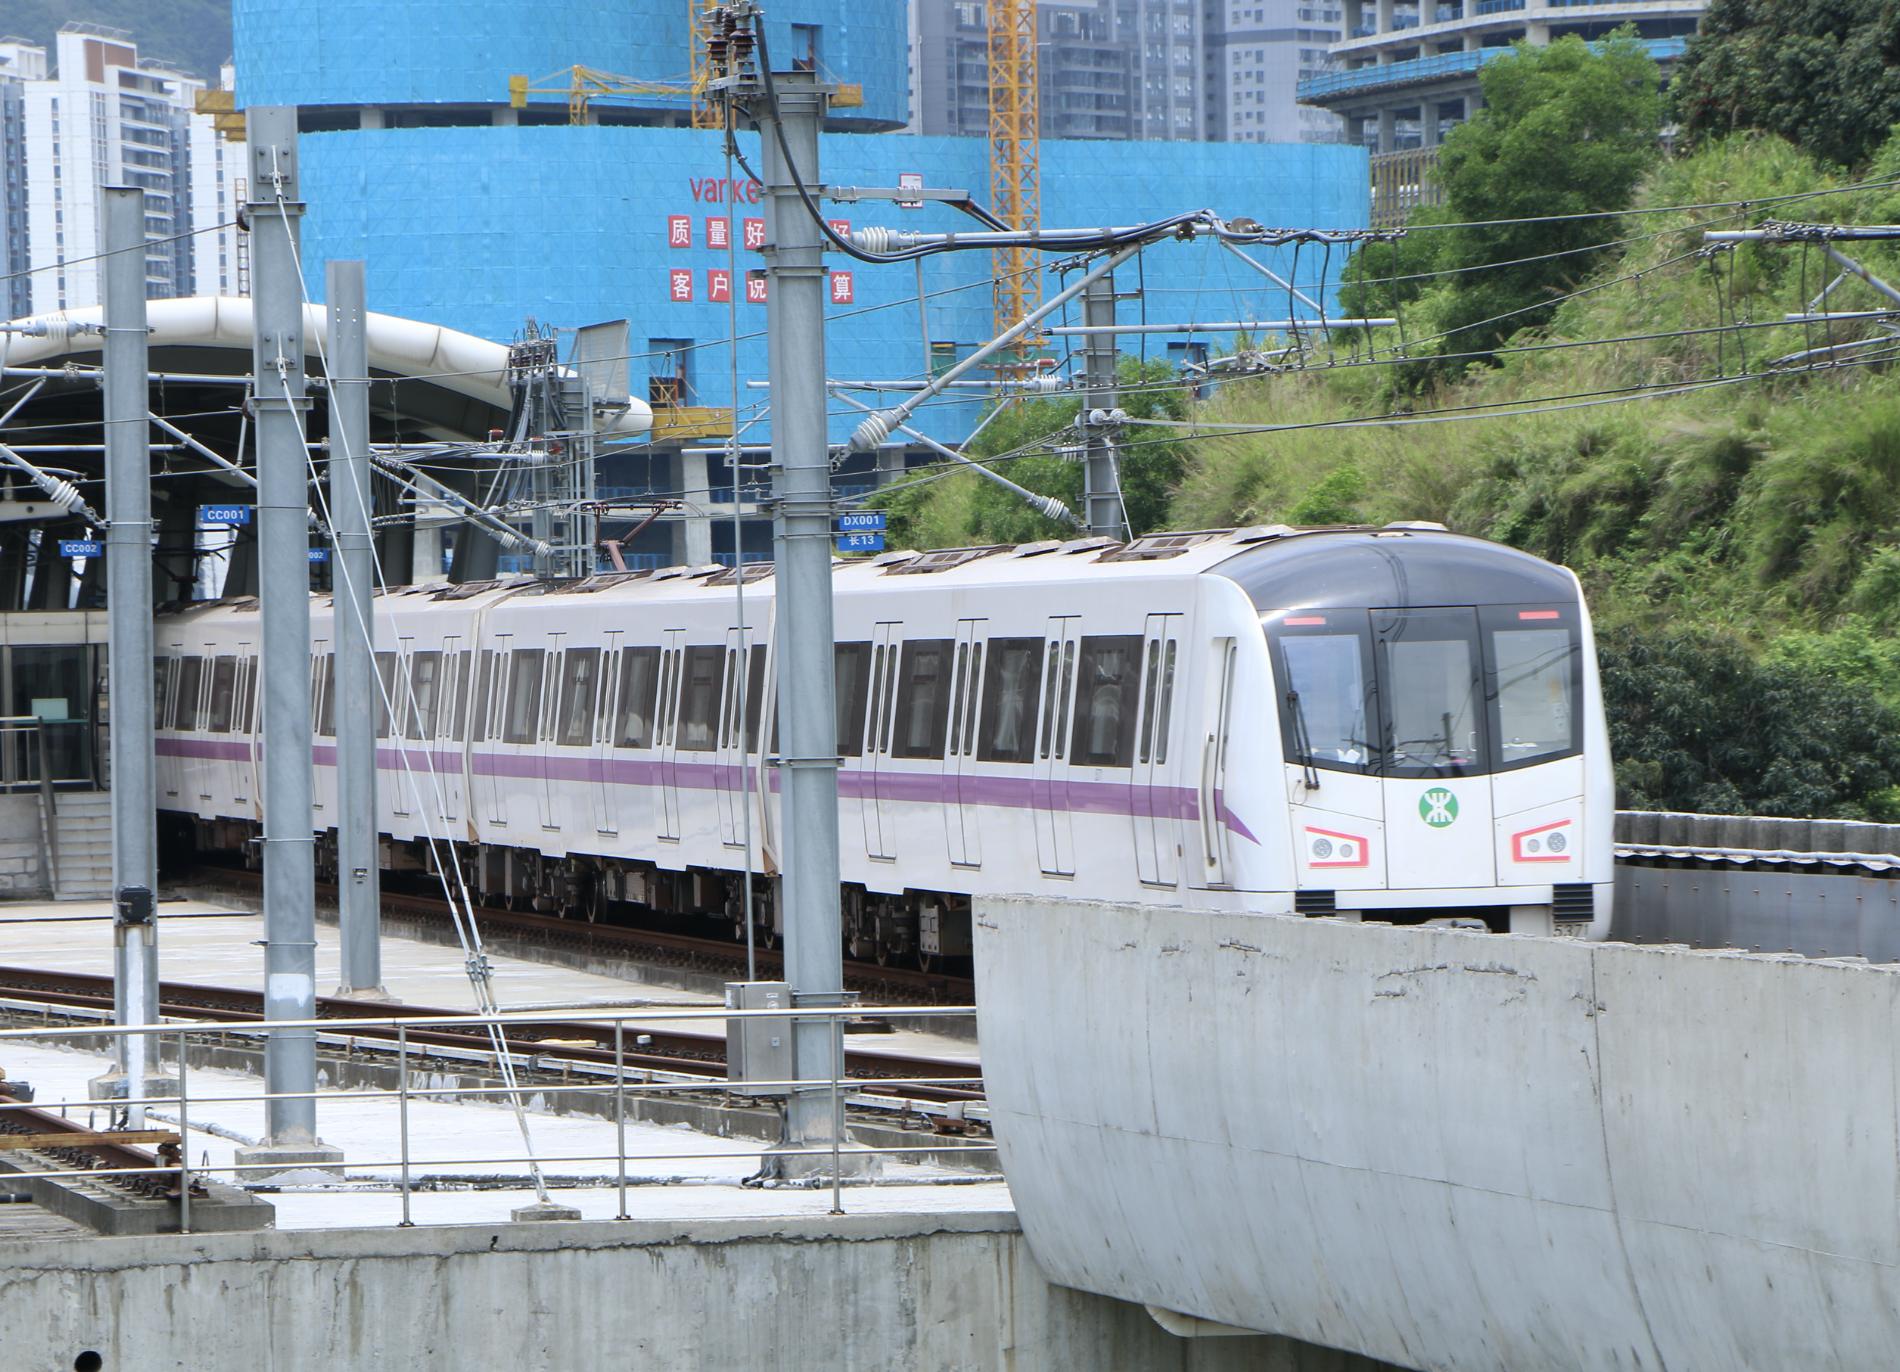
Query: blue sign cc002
{"type": "Point", "coordinates": [81, 547]}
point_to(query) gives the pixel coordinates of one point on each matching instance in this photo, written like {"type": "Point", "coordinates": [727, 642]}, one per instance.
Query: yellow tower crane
{"type": "Point", "coordinates": [706, 114]}
{"type": "Point", "coordinates": [1015, 154]}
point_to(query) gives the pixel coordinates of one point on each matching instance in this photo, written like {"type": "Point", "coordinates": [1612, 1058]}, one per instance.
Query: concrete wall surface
{"type": "Point", "coordinates": [934, 1292]}
{"type": "Point", "coordinates": [1452, 1150]}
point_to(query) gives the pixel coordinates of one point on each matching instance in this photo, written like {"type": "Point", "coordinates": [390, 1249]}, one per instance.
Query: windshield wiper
{"type": "Point", "coordinates": [1303, 741]}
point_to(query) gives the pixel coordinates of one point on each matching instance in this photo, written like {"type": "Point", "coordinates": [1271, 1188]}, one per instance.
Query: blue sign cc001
{"type": "Point", "coordinates": [224, 514]}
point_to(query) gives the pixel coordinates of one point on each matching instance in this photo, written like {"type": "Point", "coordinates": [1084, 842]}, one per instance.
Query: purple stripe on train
{"type": "Point", "coordinates": [1000, 792]}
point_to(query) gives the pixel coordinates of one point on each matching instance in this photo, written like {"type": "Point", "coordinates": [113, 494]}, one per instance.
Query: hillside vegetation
{"type": "Point", "coordinates": [1732, 509]}
{"type": "Point", "coordinates": [194, 35]}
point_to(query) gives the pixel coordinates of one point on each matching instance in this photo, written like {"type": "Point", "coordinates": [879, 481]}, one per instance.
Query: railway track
{"type": "Point", "coordinates": [648, 947]}
{"type": "Point", "coordinates": [43, 1131]}
{"type": "Point", "coordinates": [669, 1051]}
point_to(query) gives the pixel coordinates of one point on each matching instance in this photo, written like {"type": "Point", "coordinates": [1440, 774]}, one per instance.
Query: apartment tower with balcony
{"type": "Point", "coordinates": [97, 115]}
{"type": "Point", "coordinates": [1406, 72]}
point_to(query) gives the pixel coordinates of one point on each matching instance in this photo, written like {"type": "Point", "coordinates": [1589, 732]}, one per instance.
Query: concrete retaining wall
{"type": "Point", "coordinates": [938, 1292]}
{"type": "Point", "coordinates": [1452, 1150]}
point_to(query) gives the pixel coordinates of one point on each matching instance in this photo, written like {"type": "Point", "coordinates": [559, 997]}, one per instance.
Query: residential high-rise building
{"type": "Point", "coordinates": [1406, 73]}
{"type": "Point", "coordinates": [1258, 51]}
{"type": "Point", "coordinates": [98, 116]}
{"type": "Point", "coordinates": [1217, 70]}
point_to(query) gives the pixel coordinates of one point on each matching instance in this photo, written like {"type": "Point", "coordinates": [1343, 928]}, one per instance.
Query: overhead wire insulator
{"type": "Point", "coordinates": [871, 433]}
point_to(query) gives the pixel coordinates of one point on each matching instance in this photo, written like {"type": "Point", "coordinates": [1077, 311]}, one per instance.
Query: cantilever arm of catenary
{"type": "Point", "coordinates": [1045, 504]}
{"type": "Point", "coordinates": [420, 483]}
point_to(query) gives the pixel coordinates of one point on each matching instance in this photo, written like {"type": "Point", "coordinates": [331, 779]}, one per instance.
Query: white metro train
{"type": "Point", "coordinates": [1387, 723]}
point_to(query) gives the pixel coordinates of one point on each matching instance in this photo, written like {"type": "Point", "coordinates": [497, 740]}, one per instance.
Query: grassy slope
{"type": "Point", "coordinates": [1768, 506]}
{"type": "Point", "coordinates": [194, 34]}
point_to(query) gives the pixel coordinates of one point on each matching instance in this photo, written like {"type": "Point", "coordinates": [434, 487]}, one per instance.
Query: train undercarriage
{"type": "Point", "coordinates": [929, 930]}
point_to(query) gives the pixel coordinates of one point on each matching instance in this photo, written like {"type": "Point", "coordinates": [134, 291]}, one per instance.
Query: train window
{"type": "Point", "coordinates": [889, 726]}
{"type": "Point", "coordinates": [851, 663]}
{"type": "Point", "coordinates": [325, 705]}
{"type": "Point", "coordinates": [1049, 700]}
{"type": "Point", "coordinates": [223, 689]}
{"type": "Point", "coordinates": [1534, 676]}
{"type": "Point", "coordinates": [1327, 704]}
{"type": "Point", "coordinates": [754, 696]}
{"type": "Point", "coordinates": [970, 697]}
{"type": "Point", "coordinates": [956, 698]}
{"type": "Point", "coordinates": [664, 722]}
{"type": "Point", "coordinates": [639, 689]}
{"type": "Point", "coordinates": [1065, 695]}
{"type": "Point", "coordinates": [522, 718]}
{"type": "Point", "coordinates": [730, 704]}
{"type": "Point", "coordinates": [1108, 682]}
{"type": "Point", "coordinates": [163, 670]}
{"type": "Point", "coordinates": [385, 691]}
{"type": "Point", "coordinates": [458, 723]}
{"type": "Point", "coordinates": [247, 697]}
{"type": "Point", "coordinates": [425, 693]}
{"type": "Point", "coordinates": [1010, 685]}
{"type": "Point", "coordinates": [923, 698]}
{"type": "Point", "coordinates": [484, 694]}
{"type": "Point", "coordinates": [190, 673]}
{"type": "Point", "coordinates": [580, 695]}
{"type": "Point", "coordinates": [877, 699]}
{"type": "Point", "coordinates": [1167, 703]}
{"type": "Point", "coordinates": [1151, 680]}
{"type": "Point", "coordinates": [1434, 711]}
{"type": "Point", "coordinates": [699, 708]}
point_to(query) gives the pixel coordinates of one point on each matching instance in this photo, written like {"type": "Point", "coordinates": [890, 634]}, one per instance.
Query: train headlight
{"type": "Point", "coordinates": [1556, 842]}
{"type": "Point", "coordinates": [1322, 847]}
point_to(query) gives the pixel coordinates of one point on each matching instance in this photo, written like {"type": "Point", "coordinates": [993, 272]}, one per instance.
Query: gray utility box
{"type": "Point", "coordinates": [759, 1048]}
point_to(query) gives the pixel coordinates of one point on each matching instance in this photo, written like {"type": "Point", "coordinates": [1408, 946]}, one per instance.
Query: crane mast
{"type": "Point", "coordinates": [1015, 156]}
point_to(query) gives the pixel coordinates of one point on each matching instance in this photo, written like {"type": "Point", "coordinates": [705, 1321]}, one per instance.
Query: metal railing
{"type": "Point", "coordinates": [21, 737]}
{"type": "Point", "coordinates": [626, 1082]}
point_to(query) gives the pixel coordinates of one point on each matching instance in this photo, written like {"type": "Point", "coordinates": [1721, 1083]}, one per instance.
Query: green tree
{"type": "Point", "coordinates": [1566, 129]}
{"type": "Point", "coordinates": [1697, 723]}
{"type": "Point", "coordinates": [947, 508]}
{"type": "Point", "coordinates": [1824, 74]}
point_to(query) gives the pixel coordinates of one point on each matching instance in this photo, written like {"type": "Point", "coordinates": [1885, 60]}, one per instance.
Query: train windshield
{"type": "Point", "coordinates": [1436, 692]}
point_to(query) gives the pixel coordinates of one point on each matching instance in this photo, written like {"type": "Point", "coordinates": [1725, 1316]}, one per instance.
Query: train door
{"type": "Point", "coordinates": [404, 779]}
{"type": "Point", "coordinates": [666, 732]}
{"type": "Point", "coordinates": [730, 758]}
{"type": "Point", "coordinates": [880, 825]}
{"type": "Point", "coordinates": [1216, 865]}
{"type": "Point", "coordinates": [553, 672]}
{"type": "Point", "coordinates": [247, 730]}
{"type": "Point", "coordinates": [444, 747]}
{"type": "Point", "coordinates": [606, 815]}
{"type": "Point", "coordinates": [238, 721]}
{"type": "Point", "coordinates": [1438, 829]}
{"type": "Point", "coordinates": [494, 786]}
{"type": "Point", "coordinates": [1055, 844]}
{"type": "Point", "coordinates": [960, 819]}
{"type": "Point", "coordinates": [1156, 810]}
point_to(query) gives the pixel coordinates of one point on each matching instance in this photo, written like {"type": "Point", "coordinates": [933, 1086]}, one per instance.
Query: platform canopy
{"type": "Point", "coordinates": [442, 397]}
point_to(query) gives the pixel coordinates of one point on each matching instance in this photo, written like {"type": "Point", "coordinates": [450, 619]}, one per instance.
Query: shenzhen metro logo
{"type": "Point", "coordinates": [1438, 807]}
